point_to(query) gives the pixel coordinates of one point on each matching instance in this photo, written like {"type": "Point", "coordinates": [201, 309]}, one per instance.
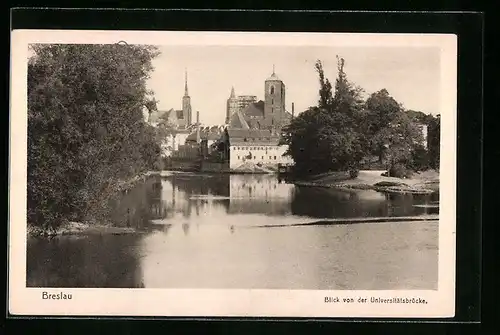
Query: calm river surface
{"type": "Point", "coordinates": [247, 231]}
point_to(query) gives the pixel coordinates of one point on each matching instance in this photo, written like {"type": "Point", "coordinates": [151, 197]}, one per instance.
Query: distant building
{"type": "Point", "coordinates": [245, 100]}
{"type": "Point", "coordinates": [207, 138]}
{"type": "Point", "coordinates": [254, 131]}
{"type": "Point", "coordinates": [180, 118]}
{"type": "Point", "coordinates": [269, 114]}
{"type": "Point", "coordinates": [177, 122]}
{"type": "Point", "coordinates": [237, 104]}
{"type": "Point", "coordinates": [187, 152]}
{"type": "Point", "coordinates": [425, 134]}
{"type": "Point", "coordinates": [254, 147]}
{"type": "Point", "coordinates": [190, 147]}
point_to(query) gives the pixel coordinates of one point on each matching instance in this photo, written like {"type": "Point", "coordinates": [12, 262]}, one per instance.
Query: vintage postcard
{"type": "Point", "coordinates": [212, 174]}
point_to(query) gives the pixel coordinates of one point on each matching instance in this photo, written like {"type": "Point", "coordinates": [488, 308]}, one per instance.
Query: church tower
{"type": "Point", "coordinates": [274, 101]}
{"type": "Point", "coordinates": [232, 106]}
{"type": "Point", "coordinates": [186, 104]}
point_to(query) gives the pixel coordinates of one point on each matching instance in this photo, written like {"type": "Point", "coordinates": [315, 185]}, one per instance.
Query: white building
{"type": "Point", "coordinates": [425, 131]}
{"type": "Point", "coordinates": [255, 147]}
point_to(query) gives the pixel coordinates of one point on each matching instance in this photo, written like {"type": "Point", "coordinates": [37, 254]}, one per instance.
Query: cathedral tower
{"type": "Point", "coordinates": [186, 104]}
{"type": "Point", "coordinates": [274, 101]}
{"type": "Point", "coordinates": [232, 105]}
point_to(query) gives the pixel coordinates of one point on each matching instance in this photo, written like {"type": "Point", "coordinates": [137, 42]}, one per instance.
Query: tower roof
{"type": "Point", "coordinates": [273, 76]}
{"type": "Point", "coordinates": [186, 84]}
{"type": "Point", "coordinates": [232, 93]}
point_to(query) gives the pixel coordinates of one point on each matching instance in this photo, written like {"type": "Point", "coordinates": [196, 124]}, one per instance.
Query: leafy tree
{"type": "Point", "coordinates": [434, 133]}
{"type": "Point", "coordinates": [420, 117]}
{"type": "Point", "coordinates": [404, 136]}
{"type": "Point", "coordinates": [420, 158]}
{"type": "Point", "coordinates": [325, 90]}
{"type": "Point", "coordinates": [86, 130]}
{"type": "Point", "coordinates": [381, 110]}
{"type": "Point", "coordinates": [326, 137]}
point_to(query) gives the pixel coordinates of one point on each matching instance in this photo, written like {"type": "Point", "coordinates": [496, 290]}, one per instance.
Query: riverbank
{"type": "Point", "coordinates": [426, 182]}
{"type": "Point", "coordinates": [94, 228]}
{"type": "Point", "coordinates": [126, 185]}
{"type": "Point", "coordinates": [79, 228]}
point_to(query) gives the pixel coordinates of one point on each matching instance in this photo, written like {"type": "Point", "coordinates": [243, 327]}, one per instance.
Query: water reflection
{"type": "Point", "coordinates": [85, 261]}
{"type": "Point", "coordinates": [206, 231]}
{"type": "Point", "coordinates": [335, 203]}
{"type": "Point", "coordinates": [187, 197]}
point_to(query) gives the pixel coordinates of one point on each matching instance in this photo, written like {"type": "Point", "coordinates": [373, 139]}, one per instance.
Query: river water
{"type": "Point", "coordinates": [247, 231]}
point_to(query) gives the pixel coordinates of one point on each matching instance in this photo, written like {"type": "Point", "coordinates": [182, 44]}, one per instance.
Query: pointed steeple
{"type": "Point", "coordinates": [186, 103]}
{"type": "Point", "coordinates": [232, 93]}
{"type": "Point", "coordinates": [186, 84]}
{"type": "Point", "coordinates": [273, 75]}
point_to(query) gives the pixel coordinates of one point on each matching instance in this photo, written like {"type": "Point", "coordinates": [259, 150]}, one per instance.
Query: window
{"type": "Point", "coordinates": [270, 157]}
{"type": "Point", "coordinates": [262, 157]}
{"type": "Point", "coordinates": [272, 89]}
{"type": "Point", "coordinates": [274, 157]}
{"type": "Point", "coordinates": [238, 157]}
{"type": "Point", "coordinates": [272, 101]}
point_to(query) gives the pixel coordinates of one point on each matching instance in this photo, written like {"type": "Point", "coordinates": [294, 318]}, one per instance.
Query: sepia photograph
{"type": "Point", "coordinates": [237, 163]}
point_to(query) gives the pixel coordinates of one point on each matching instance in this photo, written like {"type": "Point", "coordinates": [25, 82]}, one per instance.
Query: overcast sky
{"type": "Point", "coordinates": [410, 74]}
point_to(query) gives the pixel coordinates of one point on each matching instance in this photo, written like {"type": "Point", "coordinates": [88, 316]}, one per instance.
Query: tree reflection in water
{"type": "Point", "coordinates": [107, 261]}
{"type": "Point", "coordinates": [187, 197]}
{"type": "Point", "coordinates": [217, 204]}
{"type": "Point", "coordinates": [335, 203]}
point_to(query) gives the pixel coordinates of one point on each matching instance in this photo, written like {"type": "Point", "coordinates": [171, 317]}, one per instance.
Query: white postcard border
{"type": "Point", "coordinates": [216, 302]}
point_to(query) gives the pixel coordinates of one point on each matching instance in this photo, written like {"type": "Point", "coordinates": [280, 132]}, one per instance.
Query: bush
{"type": "Point", "coordinates": [354, 173]}
{"type": "Point", "coordinates": [399, 171]}
{"type": "Point", "coordinates": [420, 159]}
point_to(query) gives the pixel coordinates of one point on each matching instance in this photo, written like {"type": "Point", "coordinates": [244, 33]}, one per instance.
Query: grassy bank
{"type": "Point", "coordinates": [421, 183]}
{"type": "Point", "coordinates": [93, 226]}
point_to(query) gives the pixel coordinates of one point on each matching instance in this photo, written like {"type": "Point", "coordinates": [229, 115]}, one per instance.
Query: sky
{"type": "Point", "coordinates": [410, 74]}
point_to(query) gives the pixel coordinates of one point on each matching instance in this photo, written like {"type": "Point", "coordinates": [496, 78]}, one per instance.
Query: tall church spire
{"type": "Point", "coordinates": [232, 93]}
{"type": "Point", "coordinates": [186, 103]}
{"type": "Point", "coordinates": [186, 84]}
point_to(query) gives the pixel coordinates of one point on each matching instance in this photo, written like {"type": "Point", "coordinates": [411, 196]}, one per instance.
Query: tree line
{"type": "Point", "coordinates": [345, 132]}
{"type": "Point", "coordinates": [86, 130]}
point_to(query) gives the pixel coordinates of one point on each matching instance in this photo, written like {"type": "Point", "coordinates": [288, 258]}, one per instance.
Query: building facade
{"type": "Point", "coordinates": [270, 113]}
{"type": "Point", "coordinates": [237, 103]}
{"type": "Point", "coordinates": [425, 134]}
{"type": "Point", "coordinates": [177, 123]}
{"type": "Point", "coordinates": [254, 131]}
{"type": "Point", "coordinates": [245, 100]}
{"type": "Point", "coordinates": [274, 102]}
{"type": "Point", "coordinates": [255, 147]}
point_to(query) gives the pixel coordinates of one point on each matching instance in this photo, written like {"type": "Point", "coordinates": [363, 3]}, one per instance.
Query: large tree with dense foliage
{"type": "Point", "coordinates": [434, 133]}
{"type": "Point", "coordinates": [86, 129]}
{"type": "Point", "coordinates": [326, 137]}
{"type": "Point", "coordinates": [344, 129]}
{"type": "Point", "coordinates": [380, 110]}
